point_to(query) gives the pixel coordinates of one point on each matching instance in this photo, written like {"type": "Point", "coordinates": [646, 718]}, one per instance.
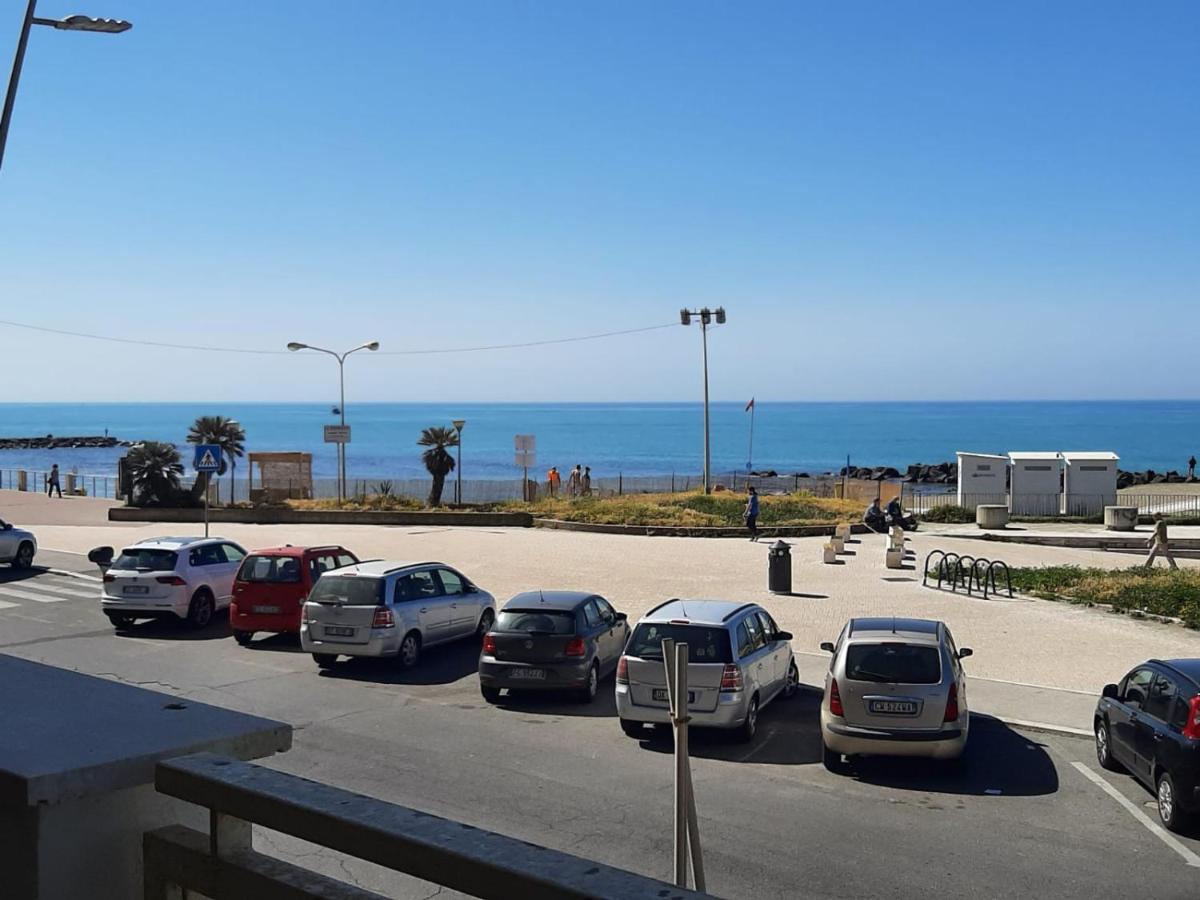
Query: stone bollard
{"type": "Point", "coordinates": [991, 516]}
{"type": "Point", "coordinates": [830, 553]}
{"type": "Point", "coordinates": [895, 558]}
{"type": "Point", "coordinates": [70, 483]}
{"type": "Point", "coordinates": [1120, 518]}
{"type": "Point", "coordinates": [843, 532]}
{"type": "Point", "coordinates": [839, 545]}
{"type": "Point", "coordinates": [22, 480]}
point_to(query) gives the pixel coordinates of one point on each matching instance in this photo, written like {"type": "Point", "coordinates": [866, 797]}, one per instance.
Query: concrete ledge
{"type": "Point", "coordinates": [281, 516]}
{"type": "Point", "coordinates": [695, 531]}
{"type": "Point", "coordinates": [1082, 542]}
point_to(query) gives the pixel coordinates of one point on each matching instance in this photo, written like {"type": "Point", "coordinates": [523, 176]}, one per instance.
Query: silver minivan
{"type": "Point", "coordinates": [895, 687]}
{"type": "Point", "coordinates": [738, 662]}
{"type": "Point", "coordinates": [380, 608]}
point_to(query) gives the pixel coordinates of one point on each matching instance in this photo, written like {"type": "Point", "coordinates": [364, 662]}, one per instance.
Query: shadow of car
{"type": "Point", "coordinates": [441, 664]}
{"type": "Point", "coordinates": [563, 703]}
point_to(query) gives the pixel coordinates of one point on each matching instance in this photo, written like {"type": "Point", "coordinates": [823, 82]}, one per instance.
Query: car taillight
{"type": "Point", "coordinates": [109, 579]}
{"type": "Point", "coordinates": [623, 670]}
{"type": "Point", "coordinates": [575, 647]}
{"type": "Point", "coordinates": [835, 700]}
{"type": "Point", "coordinates": [1192, 729]}
{"type": "Point", "coordinates": [383, 618]}
{"type": "Point", "coordinates": [731, 678]}
{"type": "Point", "coordinates": [489, 644]}
{"type": "Point", "coordinates": [951, 705]}
{"type": "Point", "coordinates": [173, 580]}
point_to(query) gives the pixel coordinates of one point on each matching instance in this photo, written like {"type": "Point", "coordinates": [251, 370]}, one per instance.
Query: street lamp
{"type": "Point", "coordinates": [341, 361]}
{"type": "Point", "coordinates": [458, 426]}
{"type": "Point", "coordinates": [70, 23]}
{"type": "Point", "coordinates": [706, 317]}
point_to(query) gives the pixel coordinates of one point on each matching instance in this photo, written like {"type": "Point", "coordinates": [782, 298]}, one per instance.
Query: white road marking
{"type": "Point", "coordinates": [6, 591]}
{"type": "Point", "coordinates": [53, 587]}
{"type": "Point", "coordinates": [4, 604]}
{"type": "Point", "coordinates": [1153, 827]}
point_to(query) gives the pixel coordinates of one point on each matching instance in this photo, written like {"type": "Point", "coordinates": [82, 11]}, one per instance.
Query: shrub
{"type": "Point", "coordinates": [1161, 592]}
{"type": "Point", "coordinates": [950, 513]}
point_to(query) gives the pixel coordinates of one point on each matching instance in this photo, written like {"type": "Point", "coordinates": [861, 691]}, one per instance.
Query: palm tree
{"type": "Point", "coordinates": [154, 470]}
{"type": "Point", "coordinates": [436, 459]}
{"type": "Point", "coordinates": [226, 434]}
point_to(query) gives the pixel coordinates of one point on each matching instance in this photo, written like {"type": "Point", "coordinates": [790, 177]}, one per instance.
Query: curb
{"type": "Point", "coordinates": [1044, 728]}
{"type": "Point", "coordinates": [80, 575]}
{"type": "Point", "coordinates": [765, 531]}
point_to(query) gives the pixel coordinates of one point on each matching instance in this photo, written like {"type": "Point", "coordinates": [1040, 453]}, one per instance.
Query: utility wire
{"type": "Point", "coordinates": [168, 346]}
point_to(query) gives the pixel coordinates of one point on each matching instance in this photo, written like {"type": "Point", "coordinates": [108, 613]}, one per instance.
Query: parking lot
{"type": "Point", "coordinates": [1024, 818]}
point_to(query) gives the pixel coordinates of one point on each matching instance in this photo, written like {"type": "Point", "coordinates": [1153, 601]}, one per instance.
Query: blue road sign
{"type": "Point", "coordinates": [207, 458]}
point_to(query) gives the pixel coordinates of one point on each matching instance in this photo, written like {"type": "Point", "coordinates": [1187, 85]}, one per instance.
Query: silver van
{"type": "Point", "coordinates": [895, 687]}
{"type": "Point", "coordinates": [738, 662]}
{"type": "Point", "coordinates": [398, 609]}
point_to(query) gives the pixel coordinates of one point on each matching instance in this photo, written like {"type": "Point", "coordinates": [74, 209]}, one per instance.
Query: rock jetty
{"type": "Point", "coordinates": [51, 442]}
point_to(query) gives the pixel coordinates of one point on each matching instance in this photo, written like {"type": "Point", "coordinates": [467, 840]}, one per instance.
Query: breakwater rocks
{"type": "Point", "coordinates": [51, 442]}
{"type": "Point", "coordinates": [1137, 479]}
{"type": "Point", "coordinates": [918, 473]}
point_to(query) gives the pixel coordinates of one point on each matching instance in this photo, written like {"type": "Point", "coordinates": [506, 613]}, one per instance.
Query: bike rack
{"type": "Point", "coordinates": [991, 573]}
{"type": "Point", "coordinates": [972, 573]}
{"type": "Point", "coordinates": [925, 572]}
{"type": "Point", "coordinates": [944, 570]}
{"type": "Point", "coordinates": [959, 572]}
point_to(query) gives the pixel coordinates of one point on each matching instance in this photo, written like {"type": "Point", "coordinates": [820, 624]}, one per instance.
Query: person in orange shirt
{"type": "Point", "coordinates": [553, 480]}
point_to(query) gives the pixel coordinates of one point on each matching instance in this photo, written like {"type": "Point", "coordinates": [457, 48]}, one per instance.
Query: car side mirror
{"type": "Point", "coordinates": [101, 556]}
{"type": "Point", "coordinates": [1109, 691]}
{"type": "Point", "coordinates": [965, 652]}
{"type": "Point", "coordinates": [622, 617]}
{"type": "Point", "coordinates": [783, 635]}
{"type": "Point", "coordinates": [827, 646]}
{"type": "Point", "coordinates": [5, 526]}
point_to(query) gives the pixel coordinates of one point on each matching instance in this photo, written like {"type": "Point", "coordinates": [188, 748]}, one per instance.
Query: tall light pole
{"type": "Point", "coordinates": [341, 361]}
{"type": "Point", "coordinates": [70, 23]}
{"type": "Point", "coordinates": [458, 426]}
{"type": "Point", "coordinates": [706, 317]}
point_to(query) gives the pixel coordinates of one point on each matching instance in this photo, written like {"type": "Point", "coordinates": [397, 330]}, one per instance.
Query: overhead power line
{"type": "Point", "coordinates": [140, 342]}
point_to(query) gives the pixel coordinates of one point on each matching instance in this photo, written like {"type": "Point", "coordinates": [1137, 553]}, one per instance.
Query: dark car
{"type": "Point", "coordinates": [552, 640]}
{"type": "Point", "coordinates": [1149, 724]}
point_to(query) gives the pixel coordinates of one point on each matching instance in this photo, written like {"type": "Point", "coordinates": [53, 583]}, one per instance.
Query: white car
{"type": "Point", "coordinates": [17, 546]}
{"type": "Point", "coordinates": [187, 578]}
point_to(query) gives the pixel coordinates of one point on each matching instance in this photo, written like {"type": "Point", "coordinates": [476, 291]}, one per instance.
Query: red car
{"type": "Point", "coordinates": [271, 585]}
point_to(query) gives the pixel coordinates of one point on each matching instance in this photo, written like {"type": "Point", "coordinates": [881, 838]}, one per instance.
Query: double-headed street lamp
{"type": "Point", "coordinates": [706, 317]}
{"type": "Point", "coordinates": [341, 361]}
{"type": "Point", "coordinates": [70, 23]}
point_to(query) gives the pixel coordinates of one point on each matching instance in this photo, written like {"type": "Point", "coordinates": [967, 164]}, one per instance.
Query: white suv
{"type": "Point", "coordinates": [189, 578]}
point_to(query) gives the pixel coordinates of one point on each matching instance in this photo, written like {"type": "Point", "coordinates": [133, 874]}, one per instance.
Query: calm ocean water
{"type": "Point", "coordinates": [637, 438]}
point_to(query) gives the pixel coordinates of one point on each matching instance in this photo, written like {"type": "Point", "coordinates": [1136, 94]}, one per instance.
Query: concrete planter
{"type": "Point", "coordinates": [1120, 518]}
{"type": "Point", "coordinates": [988, 516]}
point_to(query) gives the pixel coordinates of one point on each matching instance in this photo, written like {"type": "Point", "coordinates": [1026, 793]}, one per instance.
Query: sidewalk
{"type": "Point", "coordinates": [24, 508]}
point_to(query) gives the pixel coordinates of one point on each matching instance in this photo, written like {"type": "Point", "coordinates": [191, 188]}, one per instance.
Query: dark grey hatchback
{"type": "Point", "coordinates": [552, 640]}
{"type": "Point", "coordinates": [1149, 724]}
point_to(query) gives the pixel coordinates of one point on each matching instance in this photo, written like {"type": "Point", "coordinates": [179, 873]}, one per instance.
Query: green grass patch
{"type": "Point", "coordinates": [373, 503]}
{"type": "Point", "coordinates": [692, 510]}
{"type": "Point", "coordinates": [950, 513]}
{"type": "Point", "coordinates": [1161, 592]}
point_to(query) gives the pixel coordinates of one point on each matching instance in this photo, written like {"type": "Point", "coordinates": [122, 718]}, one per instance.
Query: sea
{"type": "Point", "coordinates": [633, 439]}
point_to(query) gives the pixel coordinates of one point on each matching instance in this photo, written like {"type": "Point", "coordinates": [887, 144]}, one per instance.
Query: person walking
{"type": "Point", "coordinates": [573, 481]}
{"type": "Point", "coordinates": [585, 481]}
{"type": "Point", "coordinates": [552, 481]}
{"type": "Point", "coordinates": [751, 513]}
{"type": "Point", "coordinates": [1158, 543]}
{"type": "Point", "coordinates": [1192, 466]}
{"type": "Point", "coordinates": [52, 482]}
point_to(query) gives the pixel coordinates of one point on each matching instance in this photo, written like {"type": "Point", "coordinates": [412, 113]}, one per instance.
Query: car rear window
{"type": "Point", "coordinates": [705, 645]}
{"type": "Point", "coordinates": [146, 559]}
{"type": "Point", "coordinates": [270, 569]}
{"type": "Point", "coordinates": [894, 663]}
{"type": "Point", "coordinates": [535, 621]}
{"type": "Point", "coordinates": [353, 590]}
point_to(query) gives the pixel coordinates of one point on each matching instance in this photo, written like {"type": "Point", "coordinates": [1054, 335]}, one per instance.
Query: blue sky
{"type": "Point", "coordinates": [893, 201]}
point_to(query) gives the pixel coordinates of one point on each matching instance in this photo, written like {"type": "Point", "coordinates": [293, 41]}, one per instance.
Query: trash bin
{"type": "Point", "coordinates": [779, 568]}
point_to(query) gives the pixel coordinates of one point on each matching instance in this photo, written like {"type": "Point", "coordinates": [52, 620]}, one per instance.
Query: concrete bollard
{"type": "Point", "coordinates": [22, 480]}
{"type": "Point", "coordinates": [895, 558]}
{"type": "Point", "coordinates": [830, 553]}
{"type": "Point", "coordinates": [842, 532]}
{"type": "Point", "coordinates": [1120, 518]}
{"type": "Point", "coordinates": [70, 483]}
{"type": "Point", "coordinates": [991, 516]}
{"type": "Point", "coordinates": [839, 545]}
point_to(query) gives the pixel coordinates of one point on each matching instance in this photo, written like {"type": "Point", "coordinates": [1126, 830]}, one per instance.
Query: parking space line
{"type": "Point", "coordinates": [30, 595]}
{"type": "Point", "coordinates": [4, 604]}
{"type": "Point", "coordinates": [1153, 827]}
{"type": "Point", "coordinates": [56, 588]}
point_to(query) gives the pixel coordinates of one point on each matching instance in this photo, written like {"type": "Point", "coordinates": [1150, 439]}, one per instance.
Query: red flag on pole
{"type": "Point", "coordinates": [749, 406]}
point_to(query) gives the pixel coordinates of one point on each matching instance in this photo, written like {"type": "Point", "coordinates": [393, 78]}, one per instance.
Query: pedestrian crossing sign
{"type": "Point", "coordinates": [207, 459]}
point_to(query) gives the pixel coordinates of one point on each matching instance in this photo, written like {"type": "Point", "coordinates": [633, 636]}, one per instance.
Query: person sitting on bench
{"type": "Point", "coordinates": [873, 518]}
{"type": "Point", "coordinates": [895, 516]}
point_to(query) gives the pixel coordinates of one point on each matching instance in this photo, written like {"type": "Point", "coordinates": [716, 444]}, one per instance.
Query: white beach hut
{"type": "Point", "coordinates": [1035, 483]}
{"type": "Point", "coordinates": [1089, 482]}
{"type": "Point", "coordinates": [982, 479]}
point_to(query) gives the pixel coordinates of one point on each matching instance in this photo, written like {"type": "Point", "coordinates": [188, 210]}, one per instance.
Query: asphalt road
{"type": "Point", "coordinates": [1021, 821]}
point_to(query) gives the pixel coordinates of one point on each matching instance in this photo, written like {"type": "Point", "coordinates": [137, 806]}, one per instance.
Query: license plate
{"type": "Point", "coordinates": [137, 589]}
{"type": "Point", "coordinates": [893, 707]}
{"type": "Point", "coordinates": [334, 631]}
{"type": "Point", "coordinates": [531, 674]}
{"type": "Point", "coordinates": [660, 694]}
{"type": "Point", "coordinates": [267, 610]}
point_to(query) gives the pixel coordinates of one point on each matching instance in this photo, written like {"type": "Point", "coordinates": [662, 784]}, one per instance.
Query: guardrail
{"type": "Point", "coordinates": [104, 486]}
{"type": "Point", "coordinates": [444, 852]}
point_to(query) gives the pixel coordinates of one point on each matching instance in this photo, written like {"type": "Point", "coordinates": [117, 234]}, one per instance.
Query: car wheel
{"type": "Point", "coordinates": [831, 760]}
{"type": "Point", "coordinates": [588, 693]}
{"type": "Point", "coordinates": [119, 620]}
{"type": "Point", "coordinates": [410, 650]}
{"type": "Point", "coordinates": [749, 728]}
{"type": "Point", "coordinates": [24, 557]}
{"type": "Point", "coordinates": [325, 660]}
{"type": "Point", "coordinates": [1168, 803]}
{"type": "Point", "coordinates": [1104, 748]}
{"type": "Point", "coordinates": [793, 680]}
{"type": "Point", "coordinates": [243, 637]}
{"type": "Point", "coordinates": [486, 621]}
{"type": "Point", "coordinates": [490, 694]}
{"type": "Point", "coordinates": [200, 610]}
{"type": "Point", "coordinates": [633, 729]}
